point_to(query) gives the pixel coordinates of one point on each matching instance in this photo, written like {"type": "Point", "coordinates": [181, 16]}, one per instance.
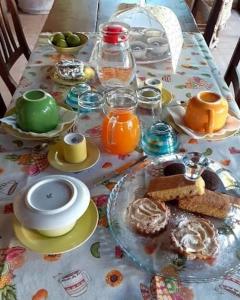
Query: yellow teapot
{"type": "Point", "coordinates": [206, 112]}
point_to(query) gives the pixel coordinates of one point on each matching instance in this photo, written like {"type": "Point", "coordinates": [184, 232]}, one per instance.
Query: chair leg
{"type": "Point", "coordinates": [3, 107]}
{"type": "Point", "coordinates": [194, 7]}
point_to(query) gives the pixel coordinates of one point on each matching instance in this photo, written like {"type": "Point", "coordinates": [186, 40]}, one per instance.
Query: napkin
{"type": "Point", "coordinates": [178, 112]}
{"type": "Point", "coordinates": [65, 117]}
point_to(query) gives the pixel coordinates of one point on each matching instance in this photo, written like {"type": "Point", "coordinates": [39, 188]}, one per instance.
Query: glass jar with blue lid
{"type": "Point", "coordinates": [157, 137]}
{"type": "Point", "coordinates": [75, 93]}
{"type": "Point", "coordinates": [90, 113]}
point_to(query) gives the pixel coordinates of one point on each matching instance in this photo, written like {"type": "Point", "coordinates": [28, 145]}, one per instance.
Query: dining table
{"type": "Point", "coordinates": [97, 266]}
{"type": "Point", "coordinates": [89, 14]}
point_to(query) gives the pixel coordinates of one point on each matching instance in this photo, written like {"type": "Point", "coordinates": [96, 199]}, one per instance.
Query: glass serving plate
{"type": "Point", "coordinates": [155, 255]}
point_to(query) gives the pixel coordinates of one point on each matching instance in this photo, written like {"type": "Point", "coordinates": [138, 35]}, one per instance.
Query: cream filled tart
{"type": "Point", "coordinates": [195, 238]}
{"type": "Point", "coordinates": [147, 217]}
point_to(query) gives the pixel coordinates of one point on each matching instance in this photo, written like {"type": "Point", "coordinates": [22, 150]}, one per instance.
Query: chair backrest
{"type": "Point", "coordinates": [12, 41]}
{"type": "Point", "coordinates": [214, 18]}
{"type": "Point", "coordinates": [3, 107]}
{"type": "Point", "coordinates": [12, 45]}
{"type": "Point", "coordinates": [232, 74]}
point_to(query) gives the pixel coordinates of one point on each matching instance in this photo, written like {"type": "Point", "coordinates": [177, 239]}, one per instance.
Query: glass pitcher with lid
{"type": "Point", "coordinates": [114, 61]}
{"type": "Point", "coordinates": [120, 128]}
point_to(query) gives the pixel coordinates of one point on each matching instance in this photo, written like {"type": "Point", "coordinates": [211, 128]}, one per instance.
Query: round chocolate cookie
{"type": "Point", "coordinates": [173, 169]}
{"type": "Point", "coordinates": [212, 181]}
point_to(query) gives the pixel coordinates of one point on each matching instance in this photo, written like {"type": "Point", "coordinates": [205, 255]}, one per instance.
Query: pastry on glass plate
{"type": "Point", "coordinates": [210, 204]}
{"type": "Point", "coordinates": [147, 217]}
{"type": "Point", "coordinates": [166, 188]}
{"type": "Point", "coordinates": [195, 238]}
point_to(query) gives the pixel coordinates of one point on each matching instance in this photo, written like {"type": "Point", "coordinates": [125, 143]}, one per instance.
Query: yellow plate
{"type": "Point", "coordinates": [56, 159]}
{"type": "Point", "coordinates": [81, 232]}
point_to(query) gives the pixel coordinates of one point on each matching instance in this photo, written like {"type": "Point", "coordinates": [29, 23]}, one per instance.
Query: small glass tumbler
{"type": "Point", "coordinates": [90, 114]}
{"type": "Point", "coordinates": [159, 139]}
{"type": "Point", "coordinates": [74, 94]}
{"type": "Point", "coordinates": [194, 163]}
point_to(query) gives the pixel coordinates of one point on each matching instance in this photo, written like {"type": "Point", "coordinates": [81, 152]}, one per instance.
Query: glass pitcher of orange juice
{"type": "Point", "coordinates": [120, 128]}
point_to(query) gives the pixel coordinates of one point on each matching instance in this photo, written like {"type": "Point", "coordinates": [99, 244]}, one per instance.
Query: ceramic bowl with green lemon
{"type": "Point", "coordinates": [68, 42]}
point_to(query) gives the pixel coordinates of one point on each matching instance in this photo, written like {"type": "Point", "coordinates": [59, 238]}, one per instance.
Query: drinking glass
{"type": "Point", "coordinates": [158, 138]}
{"type": "Point", "coordinates": [90, 114]}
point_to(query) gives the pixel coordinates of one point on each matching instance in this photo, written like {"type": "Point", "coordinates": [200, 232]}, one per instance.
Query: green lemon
{"type": "Point", "coordinates": [57, 36]}
{"type": "Point", "coordinates": [62, 43]}
{"type": "Point", "coordinates": [67, 34]}
{"type": "Point", "coordinates": [73, 40]}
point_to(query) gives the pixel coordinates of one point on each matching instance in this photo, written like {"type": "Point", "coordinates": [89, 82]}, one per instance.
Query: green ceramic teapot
{"type": "Point", "coordinates": [37, 111]}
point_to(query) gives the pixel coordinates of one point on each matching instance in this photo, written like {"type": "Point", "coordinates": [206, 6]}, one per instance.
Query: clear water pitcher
{"type": "Point", "coordinates": [114, 61]}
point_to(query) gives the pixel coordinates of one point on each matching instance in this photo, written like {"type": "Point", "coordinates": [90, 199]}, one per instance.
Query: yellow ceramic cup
{"type": "Point", "coordinates": [206, 112]}
{"type": "Point", "coordinates": [74, 148]}
{"type": "Point", "coordinates": [154, 82]}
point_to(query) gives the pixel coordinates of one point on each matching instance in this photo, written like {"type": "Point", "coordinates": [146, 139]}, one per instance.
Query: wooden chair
{"type": "Point", "coordinates": [213, 16]}
{"type": "Point", "coordinates": [12, 42]}
{"type": "Point", "coordinates": [3, 107]}
{"type": "Point", "coordinates": [232, 75]}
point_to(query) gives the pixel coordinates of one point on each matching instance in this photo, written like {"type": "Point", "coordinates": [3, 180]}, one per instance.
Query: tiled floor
{"type": "Point", "coordinates": [227, 41]}
{"type": "Point", "coordinates": [33, 24]}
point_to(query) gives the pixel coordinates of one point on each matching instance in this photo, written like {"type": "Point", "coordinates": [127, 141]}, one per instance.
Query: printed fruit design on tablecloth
{"type": "Point", "coordinates": [165, 289]}
{"type": "Point", "coordinates": [114, 278]}
{"type": "Point", "coordinates": [10, 259]}
{"type": "Point", "coordinates": [195, 82]}
{"type": "Point", "coordinates": [110, 184]}
{"type": "Point", "coordinates": [52, 257]}
{"type": "Point", "coordinates": [94, 132]}
{"type": "Point", "coordinates": [7, 288]}
{"type": "Point", "coordinates": [95, 249]}
{"type": "Point", "coordinates": [33, 163]}
{"type": "Point", "coordinates": [41, 294]}
{"type": "Point", "coordinates": [8, 209]}
{"type": "Point", "coordinates": [101, 203]}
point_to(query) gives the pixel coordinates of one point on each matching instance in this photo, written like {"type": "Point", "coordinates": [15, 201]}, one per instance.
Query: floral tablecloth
{"type": "Point", "coordinates": [108, 273]}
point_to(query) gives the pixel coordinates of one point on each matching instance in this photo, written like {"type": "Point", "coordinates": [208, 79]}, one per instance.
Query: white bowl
{"type": "Point", "coordinates": [139, 49]}
{"type": "Point", "coordinates": [53, 205]}
{"type": "Point", "coordinates": [158, 45]}
{"type": "Point", "coordinates": [152, 32]}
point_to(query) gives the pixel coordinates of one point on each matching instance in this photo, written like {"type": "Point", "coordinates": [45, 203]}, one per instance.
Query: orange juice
{"type": "Point", "coordinates": [120, 132]}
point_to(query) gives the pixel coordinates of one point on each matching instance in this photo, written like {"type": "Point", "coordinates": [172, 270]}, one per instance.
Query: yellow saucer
{"type": "Point", "coordinates": [56, 159]}
{"type": "Point", "coordinates": [81, 232]}
{"type": "Point", "coordinates": [166, 96]}
{"type": "Point", "coordinates": [70, 82]}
